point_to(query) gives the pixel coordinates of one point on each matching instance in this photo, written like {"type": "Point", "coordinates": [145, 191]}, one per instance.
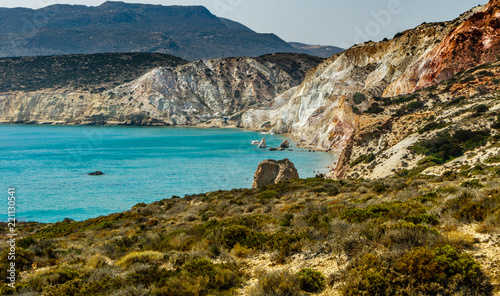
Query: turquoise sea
{"type": "Point", "coordinates": [48, 166]}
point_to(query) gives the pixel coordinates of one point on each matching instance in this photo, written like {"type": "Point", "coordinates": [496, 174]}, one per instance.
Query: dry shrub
{"type": "Point", "coordinates": [277, 283]}
{"type": "Point", "coordinates": [151, 257]}
{"type": "Point", "coordinates": [241, 251]}
{"type": "Point", "coordinates": [97, 261]}
{"type": "Point", "coordinates": [459, 239]}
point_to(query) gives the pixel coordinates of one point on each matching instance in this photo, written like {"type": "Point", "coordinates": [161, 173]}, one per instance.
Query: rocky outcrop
{"type": "Point", "coordinates": [383, 144]}
{"type": "Point", "coordinates": [308, 111]}
{"type": "Point", "coordinates": [272, 171]}
{"type": "Point", "coordinates": [193, 93]}
{"type": "Point", "coordinates": [321, 112]}
{"type": "Point", "coordinates": [285, 144]}
{"type": "Point", "coordinates": [262, 143]}
{"type": "Point", "coordinates": [473, 42]}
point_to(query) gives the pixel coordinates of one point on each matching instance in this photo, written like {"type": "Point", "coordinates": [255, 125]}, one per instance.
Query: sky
{"type": "Point", "coordinates": [327, 22]}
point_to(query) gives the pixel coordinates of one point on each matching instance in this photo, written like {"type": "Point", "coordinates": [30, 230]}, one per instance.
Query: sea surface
{"type": "Point", "coordinates": [49, 166]}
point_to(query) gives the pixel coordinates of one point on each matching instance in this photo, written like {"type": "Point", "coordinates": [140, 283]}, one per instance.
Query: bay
{"type": "Point", "coordinates": [49, 166]}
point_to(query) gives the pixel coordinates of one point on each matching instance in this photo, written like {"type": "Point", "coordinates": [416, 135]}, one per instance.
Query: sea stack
{"type": "Point", "coordinates": [271, 171]}
{"type": "Point", "coordinates": [262, 143]}
{"type": "Point", "coordinates": [285, 144]}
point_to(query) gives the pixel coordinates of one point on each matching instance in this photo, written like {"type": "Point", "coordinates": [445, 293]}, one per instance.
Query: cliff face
{"type": "Point", "coordinates": [414, 59]}
{"type": "Point", "coordinates": [473, 42]}
{"type": "Point", "coordinates": [368, 68]}
{"type": "Point", "coordinates": [187, 94]}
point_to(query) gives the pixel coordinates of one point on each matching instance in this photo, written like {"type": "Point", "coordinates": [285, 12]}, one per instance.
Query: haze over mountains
{"type": "Point", "coordinates": [189, 32]}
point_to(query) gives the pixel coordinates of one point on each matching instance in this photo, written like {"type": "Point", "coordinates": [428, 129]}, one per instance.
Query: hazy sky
{"type": "Point", "coordinates": [329, 22]}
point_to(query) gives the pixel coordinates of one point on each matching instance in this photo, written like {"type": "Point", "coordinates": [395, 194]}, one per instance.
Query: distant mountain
{"type": "Point", "coordinates": [189, 32]}
{"type": "Point", "coordinates": [324, 51]}
{"type": "Point", "coordinates": [88, 72]}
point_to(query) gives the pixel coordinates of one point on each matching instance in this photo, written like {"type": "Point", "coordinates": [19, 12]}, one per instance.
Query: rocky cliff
{"type": "Point", "coordinates": [190, 93]}
{"type": "Point", "coordinates": [328, 110]}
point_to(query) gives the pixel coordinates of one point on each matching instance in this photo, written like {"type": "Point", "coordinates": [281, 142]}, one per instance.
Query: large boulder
{"type": "Point", "coordinates": [271, 171]}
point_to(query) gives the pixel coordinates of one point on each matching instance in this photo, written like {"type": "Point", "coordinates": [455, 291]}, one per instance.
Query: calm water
{"type": "Point", "coordinates": [48, 165]}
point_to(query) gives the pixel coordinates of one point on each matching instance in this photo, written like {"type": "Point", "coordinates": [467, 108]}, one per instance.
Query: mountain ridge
{"type": "Point", "coordinates": [190, 32]}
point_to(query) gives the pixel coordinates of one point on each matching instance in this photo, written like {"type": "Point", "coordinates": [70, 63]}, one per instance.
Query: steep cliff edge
{"type": "Point", "coordinates": [367, 76]}
{"type": "Point", "coordinates": [185, 94]}
{"type": "Point", "coordinates": [473, 42]}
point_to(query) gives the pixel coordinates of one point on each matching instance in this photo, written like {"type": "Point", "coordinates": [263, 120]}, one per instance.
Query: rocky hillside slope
{"type": "Point", "coordinates": [92, 72]}
{"type": "Point", "coordinates": [323, 51]}
{"type": "Point", "coordinates": [393, 236]}
{"type": "Point", "coordinates": [190, 93]}
{"type": "Point", "coordinates": [190, 32]}
{"type": "Point", "coordinates": [324, 111]}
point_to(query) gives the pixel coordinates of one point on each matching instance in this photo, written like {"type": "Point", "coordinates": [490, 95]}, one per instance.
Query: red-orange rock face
{"type": "Point", "coordinates": [474, 42]}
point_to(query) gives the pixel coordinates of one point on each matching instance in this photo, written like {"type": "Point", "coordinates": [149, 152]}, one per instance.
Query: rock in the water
{"type": "Point", "coordinates": [262, 143]}
{"type": "Point", "coordinates": [271, 171]}
{"type": "Point", "coordinates": [273, 149]}
{"type": "Point", "coordinates": [285, 144]}
{"type": "Point", "coordinates": [97, 173]}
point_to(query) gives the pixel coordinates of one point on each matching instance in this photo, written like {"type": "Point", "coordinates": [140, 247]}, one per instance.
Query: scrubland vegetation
{"type": "Point", "coordinates": [399, 236]}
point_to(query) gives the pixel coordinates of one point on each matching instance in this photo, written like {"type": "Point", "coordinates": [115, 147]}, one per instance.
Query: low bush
{"type": "Point", "coordinates": [375, 109]}
{"type": "Point", "coordinates": [365, 158]}
{"type": "Point", "coordinates": [445, 146]}
{"type": "Point", "coordinates": [422, 218]}
{"type": "Point", "coordinates": [151, 257]}
{"type": "Point", "coordinates": [277, 283]}
{"type": "Point", "coordinates": [421, 271]}
{"type": "Point", "coordinates": [311, 280]}
{"type": "Point", "coordinates": [358, 98]}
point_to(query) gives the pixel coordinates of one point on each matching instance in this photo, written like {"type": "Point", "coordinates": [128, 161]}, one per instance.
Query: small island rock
{"type": "Point", "coordinates": [285, 144]}
{"type": "Point", "coordinates": [96, 173]}
{"type": "Point", "coordinates": [271, 171]}
{"type": "Point", "coordinates": [262, 143]}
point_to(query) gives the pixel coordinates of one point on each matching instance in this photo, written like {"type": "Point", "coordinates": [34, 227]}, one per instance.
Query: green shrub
{"type": "Point", "coordinates": [472, 184]}
{"type": "Point", "coordinates": [23, 260]}
{"type": "Point", "coordinates": [421, 271]}
{"type": "Point", "coordinates": [445, 147]}
{"type": "Point", "coordinates": [480, 109]}
{"type": "Point", "coordinates": [238, 234]}
{"type": "Point", "coordinates": [432, 126]}
{"type": "Point", "coordinates": [409, 108]}
{"type": "Point", "coordinates": [471, 212]}
{"type": "Point", "coordinates": [311, 280]}
{"type": "Point", "coordinates": [277, 283]}
{"type": "Point", "coordinates": [268, 194]}
{"type": "Point", "coordinates": [493, 159]}
{"type": "Point", "coordinates": [331, 189]}
{"type": "Point", "coordinates": [366, 158]}
{"type": "Point", "coordinates": [358, 98]}
{"type": "Point", "coordinates": [422, 218]}
{"type": "Point", "coordinates": [357, 215]}
{"type": "Point", "coordinates": [220, 276]}
{"type": "Point", "coordinates": [375, 109]}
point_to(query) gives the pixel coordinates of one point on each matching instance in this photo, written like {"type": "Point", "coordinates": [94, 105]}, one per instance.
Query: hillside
{"type": "Point", "coordinates": [143, 89]}
{"type": "Point", "coordinates": [331, 108]}
{"type": "Point", "coordinates": [324, 51]}
{"type": "Point", "coordinates": [78, 72]}
{"type": "Point", "coordinates": [189, 32]}
{"type": "Point", "coordinates": [393, 236]}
